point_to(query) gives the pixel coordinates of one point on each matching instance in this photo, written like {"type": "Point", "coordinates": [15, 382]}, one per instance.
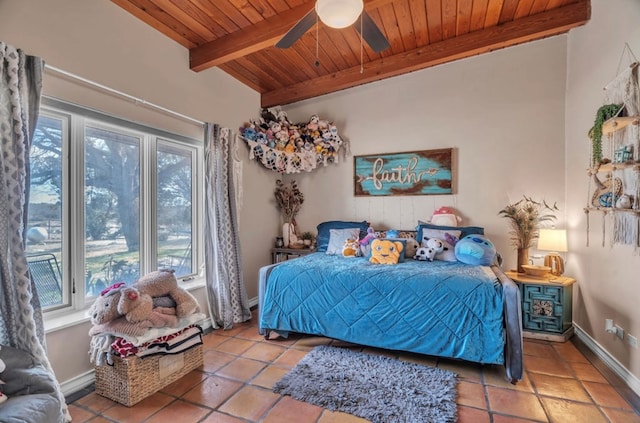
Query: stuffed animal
{"type": "Point", "coordinates": [3, 366]}
{"type": "Point", "coordinates": [313, 126]}
{"type": "Point", "coordinates": [421, 254]}
{"type": "Point", "coordinates": [371, 235]}
{"type": "Point", "coordinates": [351, 248]}
{"type": "Point", "coordinates": [411, 247]}
{"type": "Point", "coordinates": [135, 302]}
{"type": "Point", "coordinates": [432, 247]}
{"type": "Point", "coordinates": [444, 243]}
{"type": "Point", "coordinates": [365, 243]}
{"type": "Point", "coordinates": [384, 251]}
{"type": "Point", "coordinates": [392, 233]}
{"type": "Point", "coordinates": [476, 250]}
{"type": "Point", "coordinates": [445, 216]}
{"type": "Point", "coordinates": [162, 283]}
{"type": "Point", "coordinates": [128, 303]}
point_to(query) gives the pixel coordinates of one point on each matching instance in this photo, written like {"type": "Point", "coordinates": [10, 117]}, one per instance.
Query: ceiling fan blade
{"type": "Point", "coordinates": [298, 30]}
{"type": "Point", "coordinates": [371, 33]}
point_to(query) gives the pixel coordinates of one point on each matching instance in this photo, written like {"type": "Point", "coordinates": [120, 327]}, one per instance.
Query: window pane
{"type": "Point", "coordinates": [44, 233]}
{"type": "Point", "coordinates": [175, 191]}
{"type": "Point", "coordinates": [112, 208]}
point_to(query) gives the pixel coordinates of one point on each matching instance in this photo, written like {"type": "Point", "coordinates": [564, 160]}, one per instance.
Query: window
{"type": "Point", "coordinates": [109, 201]}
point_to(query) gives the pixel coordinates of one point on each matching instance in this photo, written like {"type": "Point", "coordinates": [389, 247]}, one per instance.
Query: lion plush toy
{"type": "Point", "coordinates": [384, 251]}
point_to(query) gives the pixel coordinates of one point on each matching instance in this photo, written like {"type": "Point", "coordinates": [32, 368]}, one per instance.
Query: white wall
{"type": "Point", "coordinates": [607, 276]}
{"type": "Point", "coordinates": [503, 112]}
{"type": "Point", "coordinates": [101, 42]}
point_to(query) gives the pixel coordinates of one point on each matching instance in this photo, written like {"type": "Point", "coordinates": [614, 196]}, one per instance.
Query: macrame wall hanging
{"type": "Point", "coordinates": [284, 147]}
{"type": "Point", "coordinates": [615, 157]}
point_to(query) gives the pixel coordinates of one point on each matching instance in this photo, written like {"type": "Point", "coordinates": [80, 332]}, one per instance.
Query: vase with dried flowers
{"type": "Point", "coordinates": [289, 201]}
{"type": "Point", "coordinates": [525, 217]}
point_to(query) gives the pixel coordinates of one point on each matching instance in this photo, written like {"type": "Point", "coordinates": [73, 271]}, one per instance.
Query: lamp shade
{"type": "Point", "coordinates": [339, 13]}
{"type": "Point", "coordinates": [552, 240]}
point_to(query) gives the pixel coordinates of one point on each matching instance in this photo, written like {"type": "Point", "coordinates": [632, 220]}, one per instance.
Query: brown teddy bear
{"type": "Point", "coordinates": [135, 302]}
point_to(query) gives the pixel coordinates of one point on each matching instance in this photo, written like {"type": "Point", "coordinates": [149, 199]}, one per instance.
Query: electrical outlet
{"type": "Point", "coordinates": [619, 332]}
{"type": "Point", "coordinates": [632, 341]}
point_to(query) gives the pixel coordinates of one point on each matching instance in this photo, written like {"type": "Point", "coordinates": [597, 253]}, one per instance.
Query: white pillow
{"type": "Point", "coordinates": [449, 253]}
{"type": "Point", "coordinates": [337, 237]}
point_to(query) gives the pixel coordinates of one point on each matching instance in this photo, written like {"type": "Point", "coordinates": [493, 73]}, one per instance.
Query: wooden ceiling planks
{"type": "Point", "coordinates": [434, 20]}
{"type": "Point", "coordinates": [239, 37]}
{"type": "Point", "coordinates": [160, 24]}
{"type": "Point", "coordinates": [418, 12]}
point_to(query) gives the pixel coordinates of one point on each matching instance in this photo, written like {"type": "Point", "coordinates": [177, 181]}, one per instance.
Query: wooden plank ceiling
{"type": "Point", "coordinates": [238, 36]}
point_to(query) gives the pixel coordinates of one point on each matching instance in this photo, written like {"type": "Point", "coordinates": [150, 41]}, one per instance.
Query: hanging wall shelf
{"type": "Point", "coordinates": [614, 174]}
{"type": "Point", "coordinates": [618, 123]}
{"type": "Point", "coordinates": [284, 147]}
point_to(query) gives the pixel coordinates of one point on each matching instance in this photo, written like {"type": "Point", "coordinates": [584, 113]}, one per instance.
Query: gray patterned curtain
{"type": "Point", "coordinates": [20, 87]}
{"type": "Point", "coordinates": [228, 303]}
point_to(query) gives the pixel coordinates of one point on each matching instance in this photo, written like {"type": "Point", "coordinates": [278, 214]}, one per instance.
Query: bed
{"type": "Point", "coordinates": [435, 308]}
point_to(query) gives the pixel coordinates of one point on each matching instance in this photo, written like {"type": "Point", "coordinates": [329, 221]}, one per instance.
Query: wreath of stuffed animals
{"type": "Point", "coordinates": [284, 147]}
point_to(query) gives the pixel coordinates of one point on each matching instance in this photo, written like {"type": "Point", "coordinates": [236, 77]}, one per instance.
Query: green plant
{"type": "Point", "coordinates": [113, 270]}
{"type": "Point", "coordinates": [307, 235]}
{"type": "Point", "coordinates": [603, 114]}
{"type": "Point", "coordinates": [525, 217]}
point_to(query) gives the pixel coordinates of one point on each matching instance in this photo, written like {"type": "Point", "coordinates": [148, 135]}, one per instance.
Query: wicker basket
{"type": "Point", "coordinates": [132, 379]}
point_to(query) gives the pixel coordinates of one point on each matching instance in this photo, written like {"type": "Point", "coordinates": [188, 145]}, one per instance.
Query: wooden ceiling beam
{"type": "Point", "coordinates": [245, 41]}
{"type": "Point", "coordinates": [254, 38]}
{"type": "Point", "coordinates": [553, 22]}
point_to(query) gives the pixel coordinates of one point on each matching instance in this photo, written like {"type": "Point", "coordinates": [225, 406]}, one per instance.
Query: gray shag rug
{"type": "Point", "coordinates": [377, 388]}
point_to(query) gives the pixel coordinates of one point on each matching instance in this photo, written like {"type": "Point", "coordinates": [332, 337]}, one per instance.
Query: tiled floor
{"type": "Point", "coordinates": [240, 367]}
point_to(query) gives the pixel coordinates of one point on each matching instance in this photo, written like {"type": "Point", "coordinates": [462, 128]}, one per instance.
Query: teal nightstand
{"type": "Point", "coordinates": [546, 306]}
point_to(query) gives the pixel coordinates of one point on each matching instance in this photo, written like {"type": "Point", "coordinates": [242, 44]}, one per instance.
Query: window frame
{"type": "Point", "coordinates": [76, 118]}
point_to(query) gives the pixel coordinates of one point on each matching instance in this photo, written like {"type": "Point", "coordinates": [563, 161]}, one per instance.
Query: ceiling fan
{"type": "Point", "coordinates": [338, 14]}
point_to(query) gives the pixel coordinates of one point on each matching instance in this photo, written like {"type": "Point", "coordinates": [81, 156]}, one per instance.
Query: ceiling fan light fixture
{"type": "Point", "coordinates": [339, 13]}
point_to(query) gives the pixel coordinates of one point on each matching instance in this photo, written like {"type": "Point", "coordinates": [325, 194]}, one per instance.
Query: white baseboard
{"type": "Point", "coordinates": [78, 383]}
{"type": "Point", "coordinates": [253, 302]}
{"type": "Point", "coordinates": [629, 378]}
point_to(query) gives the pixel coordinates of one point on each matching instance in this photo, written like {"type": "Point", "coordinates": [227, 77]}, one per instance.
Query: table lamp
{"type": "Point", "coordinates": [554, 241]}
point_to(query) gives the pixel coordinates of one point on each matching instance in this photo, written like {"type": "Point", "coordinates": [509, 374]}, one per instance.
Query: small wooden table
{"type": "Point", "coordinates": [281, 254]}
{"type": "Point", "coordinates": [546, 306]}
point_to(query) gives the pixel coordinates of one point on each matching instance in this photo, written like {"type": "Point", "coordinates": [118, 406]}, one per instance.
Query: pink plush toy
{"type": "Point", "coordinates": [445, 216]}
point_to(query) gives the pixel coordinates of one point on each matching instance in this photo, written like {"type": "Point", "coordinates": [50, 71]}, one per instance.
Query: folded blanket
{"type": "Point", "coordinates": [100, 349]}
{"type": "Point", "coordinates": [183, 346]}
{"type": "Point", "coordinates": [122, 326]}
{"type": "Point", "coordinates": [139, 333]}
{"type": "Point", "coordinates": [154, 333]}
{"type": "Point", "coordinates": [164, 344]}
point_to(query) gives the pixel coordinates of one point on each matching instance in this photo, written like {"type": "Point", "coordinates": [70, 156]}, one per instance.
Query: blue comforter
{"type": "Point", "coordinates": [436, 308]}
